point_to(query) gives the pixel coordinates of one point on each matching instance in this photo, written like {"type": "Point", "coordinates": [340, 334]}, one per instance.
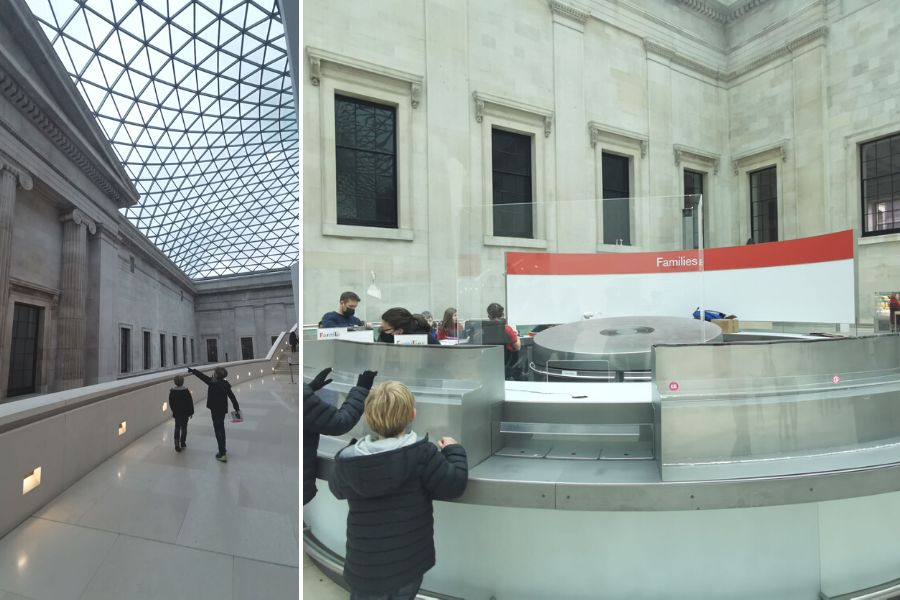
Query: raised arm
{"type": "Point", "coordinates": [204, 378]}
{"type": "Point", "coordinates": [321, 417]}
{"type": "Point", "coordinates": [446, 472]}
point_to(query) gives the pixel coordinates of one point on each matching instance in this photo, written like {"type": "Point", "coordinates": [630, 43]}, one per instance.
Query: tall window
{"type": "Point", "coordinates": [693, 188]}
{"type": "Point", "coordinates": [212, 350]}
{"type": "Point", "coordinates": [511, 166]}
{"type": "Point", "coordinates": [162, 350]}
{"type": "Point", "coordinates": [366, 149]}
{"type": "Point", "coordinates": [125, 346]}
{"type": "Point", "coordinates": [184, 350]}
{"type": "Point", "coordinates": [23, 350]}
{"type": "Point", "coordinates": [880, 169]}
{"type": "Point", "coordinates": [193, 358]}
{"type": "Point", "coordinates": [246, 348]}
{"type": "Point", "coordinates": [174, 350]}
{"type": "Point", "coordinates": [764, 205]}
{"type": "Point", "coordinates": [146, 350]}
{"type": "Point", "coordinates": [616, 191]}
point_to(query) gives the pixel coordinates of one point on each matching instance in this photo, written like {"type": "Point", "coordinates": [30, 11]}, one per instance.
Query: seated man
{"type": "Point", "coordinates": [343, 316]}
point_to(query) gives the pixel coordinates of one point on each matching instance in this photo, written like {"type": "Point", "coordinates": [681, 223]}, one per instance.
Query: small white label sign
{"type": "Point", "coordinates": [330, 333]}
{"type": "Point", "coordinates": [415, 339]}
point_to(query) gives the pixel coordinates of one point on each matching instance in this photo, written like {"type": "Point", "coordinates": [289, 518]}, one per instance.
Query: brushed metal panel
{"type": "Point", "coordinates": [777, 408]}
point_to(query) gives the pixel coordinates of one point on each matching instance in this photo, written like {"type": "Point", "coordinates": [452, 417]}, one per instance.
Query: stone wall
{"type": "Point", "coordinates": [796, 84]}
{"type": "Point", "coordinates": [259, 306]}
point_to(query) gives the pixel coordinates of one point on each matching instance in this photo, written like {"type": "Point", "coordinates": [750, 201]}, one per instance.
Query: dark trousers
{"type": "Point", "coordinates": [407, 592]}
{"type": "Point", "coordinates": [180, 430]}
{"type": "Point", "coordinates": [218, 420]}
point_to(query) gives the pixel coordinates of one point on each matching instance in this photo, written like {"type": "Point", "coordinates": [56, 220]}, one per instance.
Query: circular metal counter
{"type": "Point", "coordinates": [618, 344]}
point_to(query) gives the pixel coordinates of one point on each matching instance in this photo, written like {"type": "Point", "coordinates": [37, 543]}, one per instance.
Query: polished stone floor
{"type": "Point", "coordinates": [153, 524]}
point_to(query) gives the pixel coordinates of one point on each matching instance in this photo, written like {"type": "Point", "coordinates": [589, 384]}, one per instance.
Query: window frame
{"type": "Point", "coordinates": [126, 366]}
{"type": "Point", "coordinates": [892, 138]}
{"type": "Point", "coordinates": [162, 349]}
{"type": "Point", "coordinates": [778, 227]}
{"type": "Point", "coordinates": [364, 101]}
{"type": "Point", "coordinates": [147, 349]}
{"type": "Point", "coordinates": [494, 171]}
{"type": "Point", "coordinates": [334, 74]}
{"type": "Point", "coordinates": [632, 145]}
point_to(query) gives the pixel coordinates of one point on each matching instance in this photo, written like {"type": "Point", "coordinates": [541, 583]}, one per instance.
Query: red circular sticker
{"type": "Point", "coordinates": [836, 379]}
{"type": "Point", "coordinates": [673, 386]}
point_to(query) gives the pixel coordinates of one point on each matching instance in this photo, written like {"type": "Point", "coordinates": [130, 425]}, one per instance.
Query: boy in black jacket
{"type": "Point", "coordinates": [217, 403]}
{"type": "Point", "coordinates": [320, 418]}
{"type": "Point", "coordinates": [181, 402]}
{"type": "Point", "coordinates": [390, 481]}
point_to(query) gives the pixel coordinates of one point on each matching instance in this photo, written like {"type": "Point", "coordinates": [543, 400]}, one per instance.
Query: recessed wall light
{"type": "Point", "coordinates": [123, 427]}
{"type": "Point", "coordinates": [31, 481]}
{"type": "Point", "coordinates": [165, 406]}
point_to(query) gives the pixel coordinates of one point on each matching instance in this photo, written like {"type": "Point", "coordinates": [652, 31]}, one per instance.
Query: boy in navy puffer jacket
{"type": "Point", "coordinates": [390, 480]}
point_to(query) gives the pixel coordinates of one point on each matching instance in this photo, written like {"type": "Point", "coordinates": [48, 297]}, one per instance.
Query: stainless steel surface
{"type": "Point", "coordinates": [455, 386]}
{"type": "Point", "coordinates": [617, 343]}
{"type": "Point", "coordinates": [596, 431]}
{"type": "Point", "coordinates": [779, 408]}
{"type": "Point", "coordinates": [885, 591]}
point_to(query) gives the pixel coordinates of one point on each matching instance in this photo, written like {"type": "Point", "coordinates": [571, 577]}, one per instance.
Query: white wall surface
{"type": "Point", "coordinates": [725, 90]}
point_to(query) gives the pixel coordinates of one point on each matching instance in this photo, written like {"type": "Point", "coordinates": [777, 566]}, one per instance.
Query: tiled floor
{"type": "Point", "coordinates": [150, 523]}
{"type": "Point", "coordinates": [316, 584]}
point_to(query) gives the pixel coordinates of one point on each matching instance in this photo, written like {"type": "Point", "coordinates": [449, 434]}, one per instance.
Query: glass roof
{"type": "Point", "coordinates": [196, 98]}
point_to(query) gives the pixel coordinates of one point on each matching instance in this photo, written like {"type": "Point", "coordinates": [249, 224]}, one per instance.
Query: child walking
{"type": "Point", "coordinates": [181, 402]}
{"type": "Point", "coordinates": [217, 403]}
{"type": "Point", "coordinates": [390, 480]}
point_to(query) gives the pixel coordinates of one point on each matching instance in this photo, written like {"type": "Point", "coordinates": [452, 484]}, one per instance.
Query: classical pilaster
{"type": "Point", "coordinates": [12, 175]}
{"type": "Point", "coordinates": [72, 317]}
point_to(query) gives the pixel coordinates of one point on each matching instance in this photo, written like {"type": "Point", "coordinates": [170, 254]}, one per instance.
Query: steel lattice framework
{"type": "Point", "coordinates": [196, 98]}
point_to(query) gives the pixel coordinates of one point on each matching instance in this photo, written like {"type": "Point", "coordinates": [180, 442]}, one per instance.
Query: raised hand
{"type": "Point", "coordinates": [365, 379]}
{"type": "Point", "coordinates": [319, 380]}
{"type": "Point", "coordinates": [446, 441]}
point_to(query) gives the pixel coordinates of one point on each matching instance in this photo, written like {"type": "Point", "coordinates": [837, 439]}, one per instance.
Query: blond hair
{"type": "Point", "coordinates": [390, 407]}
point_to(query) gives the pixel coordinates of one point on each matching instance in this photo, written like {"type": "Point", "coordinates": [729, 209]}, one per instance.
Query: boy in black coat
{"type": "Point", "coordinates": [181, 402]}
{"type": "Point", "coordinates": [390, 481]}
{"type": "Point", "coordinates": [319, 418]}
{"type": "Point", "coordinates": [217, 403]}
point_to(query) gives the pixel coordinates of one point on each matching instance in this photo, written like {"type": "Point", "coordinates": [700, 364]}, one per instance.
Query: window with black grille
{"type": "Point", "coordinates": [162, 350]}
{"type": "Point", "coordinates": [193, 359]}
{"type": "Point", "coordinates": [174, 350]}
{"type": "Point", "coordinates": [212, 350]}
{"type": "Point", "coordinates": [616, 191]}
{"type": "Point", "coordinates": [512, 198]}
{"type": "Point", "coordinates": [693, 189]}
{"type": "Point", "coordinates": [125, 350]}
{"type": "Point", "coordinates": [184, 350]}
{"type": "Point", "coordinates": [246, 348]}
{"type": "Point", "coordinates": [764, 205]}
{"type": "Point", "coordinates": [147, 350]}
{"type": "Point", "coordinates": [23, 350]}
{"type": "Point", "coordinates": [366, 155]}
{"type": "Point", "coordinates": [880, 169]}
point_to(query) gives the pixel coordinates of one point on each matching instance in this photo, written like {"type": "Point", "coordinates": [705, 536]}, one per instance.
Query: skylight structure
{"type": "Point", "coordinates": [196, 98]}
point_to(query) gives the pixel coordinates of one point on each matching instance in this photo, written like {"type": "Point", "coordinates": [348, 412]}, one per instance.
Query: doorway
{"type": "Point", "coordinates": [24, 349]}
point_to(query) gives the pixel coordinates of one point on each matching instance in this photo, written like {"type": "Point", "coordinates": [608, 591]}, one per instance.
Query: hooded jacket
{"type": "Point", "coordinates": [320, 417]}
{"type": "Point", "coordinates": [181, 401]}
{"type": "Point", "coordinates": [390, 485]}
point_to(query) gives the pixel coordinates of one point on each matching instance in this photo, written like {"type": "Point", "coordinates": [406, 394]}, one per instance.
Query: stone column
{"type": "Point", "coordinates": [11, 175]}
{"type": "Point", "coordinates": [72, 317]}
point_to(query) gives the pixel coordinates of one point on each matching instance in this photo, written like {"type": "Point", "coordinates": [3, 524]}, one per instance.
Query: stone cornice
{"type": "Point", "coordinates": [783, 50]}
{"type": "Point", "coordinates": [79, 218]}
{"type": "Point", "coordinates": [776, 150]}
{"type": "Point", "coordinates": [686, 152]}
{"type": "Point", "coordinates": [600, 132]}
{"type": "Point", "coordinates": [317, 57]}
{"type": "Point", "coordinates": [29, 287]}
{"type": "Point", "coordinates": [482, 99]}
{"type": "Point", "coordinates": [577, 14]}
{"type": "Point", "coordinates": [653, 47]}
{"type": "Point", "coordinates": [17, 95]}
{"type": "Point", "coordinates": [719, 12]}
{"type": "Point", "coordinates": [20, 173]}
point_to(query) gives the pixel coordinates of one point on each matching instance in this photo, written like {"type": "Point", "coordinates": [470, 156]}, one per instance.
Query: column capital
{"type": "Point", "coordinates": [79, 218]}
{"type": "Point", "coordinates": [23, 177]}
